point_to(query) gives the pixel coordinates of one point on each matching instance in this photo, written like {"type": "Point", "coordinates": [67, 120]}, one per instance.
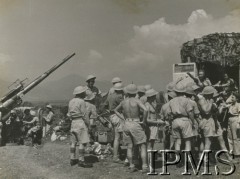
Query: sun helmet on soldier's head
{"type": "Point", "coordinates": [141, 89]}
{"type": "Point", "coordinates": [170, 86]}
{"type": "Point", "coordinates": [208, 90]}
{"type": "Point", "coordinates": [33, 113]}
{"type": "Point", "coordinates": [79, 90]}
{"type": "Point", "coordinates": [147, 87]}
{"type": "Point", "coordinates": [179, 88]}
{"type": "Point", "coordinates": [172, 94]}
{"type": "Point", "coordinates": [116, 80]}
{"type": "Point", "coordinates": [90, 77]}
{"type": "Point", "coordinates": [13, 111]}
{"type": "Point", "coordinates": [131, 89]}
{"type": "Point", "coordinates": [118, 87]}
{"type": "Point", "coordinates": [151, 92]}
{"type": "Point", "coordinates": [190, 90]}
{"type": "Point", "coordinates": [49, 106]}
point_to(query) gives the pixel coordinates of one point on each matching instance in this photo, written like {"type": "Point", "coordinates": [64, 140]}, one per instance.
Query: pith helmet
{"type": "Point", "coordinates": [170, 86]}
{"type": "Point", "coordinates": [90, 77]}
{"type": "Point", "coordinates": [190, 90]}
{"type": "Point", "coordinates": [151, 92]}
{"type": "Point", "coordinates": [79, 90]}
{"type": "Point", "coordinates": [116, 80]}
{"type": "Point", "coordinates": [215, 94]}
{"type": "Point", "coordinates": [180, 88]}
{"type": "Point", "coordinates": [208, 90]}
{"type": "Point", "coordinates": [147, 87]}
{"type": "Point", "coordinates": [118, 87]}
{"type": "Point", "coordinates": [172, 94]}
{"type": "Point", "coordinates": [33, 113]}
{"type": "Point", "coordinates": [193, 86]}
{"type": "Point", "coordinates": [131, 89]}
{"type": "Point", "coordinates": [13, 111]}
{"type": "Point", "coordinates": [90, 96]}
{"type": "Point", "coordinates": [141, 89]}
{"type": "Point", "coordinates": [49, 106]}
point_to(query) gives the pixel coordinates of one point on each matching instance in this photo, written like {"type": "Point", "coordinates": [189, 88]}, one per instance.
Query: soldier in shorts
{"type": "Point", "coordinates": [92, 114]}
{"type": "Point", "coordinates": [133, 133]}
{"type": "Point", "coordinates": [190, 94]}
{"type": "Point", "coordinates": [168, 140]}
{"type": "Point", "coordinates": [152, 120]}
{"type": "Point", "coordinates": [79, 128]}
{"type": "Point", "coordinates": [112, 102]}
{"type": "Point", "coordinates": [182, 118]}
{"type": "Point", "coordinates": [209, 125]}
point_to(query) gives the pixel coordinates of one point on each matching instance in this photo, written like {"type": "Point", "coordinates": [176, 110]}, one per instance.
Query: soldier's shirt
{"type": "Point", "coordinates": [94, 90]}
{"type": "Point", "coordinates": [111, 91]}
{"type": "Point", "coordinates": [165, 111]}
{"type": "Point", "coordinates": [77, 108]}
{"type": "Point", "coordinates": [114, 100]}
{"type": "Point", "coordinates": [143, 99]}
{"type": "Point", "coordinates": [49, 117]}
{"type": "Point", "coordinates": [195, 107]}
{"type": "Point", "coordinates": [91, 110]}
{"type": "Point", "coordinates": [180, 106]}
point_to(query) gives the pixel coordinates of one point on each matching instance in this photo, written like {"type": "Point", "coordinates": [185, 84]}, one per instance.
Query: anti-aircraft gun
{"type": "Point", "coordinates": [14, 98]}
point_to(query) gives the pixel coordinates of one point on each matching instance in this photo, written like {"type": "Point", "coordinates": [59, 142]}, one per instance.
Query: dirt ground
{"type": "Point", "coordinates": [51, 161]}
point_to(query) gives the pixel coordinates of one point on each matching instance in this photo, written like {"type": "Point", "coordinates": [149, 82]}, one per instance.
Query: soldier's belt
{"type": "Point", "coordinates": [179, 116]}
{"type": "Point", "coordinates": [76, 118]}
{"type": "Point", "coordinates": [133, 120]}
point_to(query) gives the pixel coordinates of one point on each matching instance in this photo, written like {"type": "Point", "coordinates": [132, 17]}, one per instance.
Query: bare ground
{"type": "Point", "coordinates": [52, 161]}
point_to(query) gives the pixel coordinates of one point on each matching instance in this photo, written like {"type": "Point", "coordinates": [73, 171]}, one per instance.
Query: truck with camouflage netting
{"type": "Point", "coordinates": [216, 53]}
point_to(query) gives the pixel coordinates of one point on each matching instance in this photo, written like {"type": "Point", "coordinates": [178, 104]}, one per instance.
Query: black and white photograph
{"type": "Point", "coordinates": [127, 89]}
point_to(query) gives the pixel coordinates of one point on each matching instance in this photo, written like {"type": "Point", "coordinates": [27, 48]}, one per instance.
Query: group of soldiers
{"type": "Point", "coordinates": [190, 118]}
{"type": "Point", "coordinates": [26, 123]}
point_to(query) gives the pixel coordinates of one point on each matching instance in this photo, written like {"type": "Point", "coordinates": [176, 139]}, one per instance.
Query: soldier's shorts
{"type": "Point", "coordinates": [182, 128]}
{"type": "Point", "coordinates": [79, 132]}
{"type": "Point", "coordinates": [116, 122]}
{"type": "Point", "coordinates": [152, 133]}
{"type": "Point", "coordinates": [208, 128]}
{"type": "Point", "coordinates": [133, 133]}
{"type": "Point", "coordinates": [196, 127]}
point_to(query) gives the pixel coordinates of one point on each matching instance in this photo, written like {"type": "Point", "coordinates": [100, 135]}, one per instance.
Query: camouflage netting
{"type": "Point", "coordinates": [218, 48]}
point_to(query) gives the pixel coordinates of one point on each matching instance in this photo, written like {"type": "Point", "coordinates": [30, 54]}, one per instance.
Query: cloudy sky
{"type": "Point", "coordinates": [138, 40]}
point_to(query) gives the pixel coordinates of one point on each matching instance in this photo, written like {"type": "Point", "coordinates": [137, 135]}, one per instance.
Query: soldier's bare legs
{"type": "Point", "coordinates": [151, 144]}
{"type": "Point", "coordinates": [143, 148]}
{"type": "Point", "coordinates": [73, 160]}
{"type": "Point", "coordinates": [130, 154]}
{"type": "Point", "coordinates": [177, 145]}
{"type": "Point", "coordinates": [188, 144]}
{"type": "Point", "coordinates": [116, 146]}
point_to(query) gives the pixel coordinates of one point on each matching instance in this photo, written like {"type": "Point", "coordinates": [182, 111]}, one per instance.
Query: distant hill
{"type": "Point", "coordinates": [57, 90]}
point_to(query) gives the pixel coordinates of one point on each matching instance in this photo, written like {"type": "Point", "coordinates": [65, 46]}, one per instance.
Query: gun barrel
{"type": "Point", "coordinates": [45, 75]}
{"type": "Point", "coordinates": [10, 103]}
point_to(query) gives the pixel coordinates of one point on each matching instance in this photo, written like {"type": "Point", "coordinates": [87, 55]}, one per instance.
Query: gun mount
{"type": "Point", "coordinates": [14, 97]}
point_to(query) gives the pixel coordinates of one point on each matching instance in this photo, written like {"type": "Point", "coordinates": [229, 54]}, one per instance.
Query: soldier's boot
{"type": "Point", "coordinates": [84, 164]}
{"type": "Point", "coordinates": [73, 162]}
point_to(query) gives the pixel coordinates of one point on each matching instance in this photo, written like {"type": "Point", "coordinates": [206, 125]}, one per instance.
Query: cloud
{"type": "Point", "coordinates": [157, 45]}
{"type": "Point", "coordinates": [94, 55]}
